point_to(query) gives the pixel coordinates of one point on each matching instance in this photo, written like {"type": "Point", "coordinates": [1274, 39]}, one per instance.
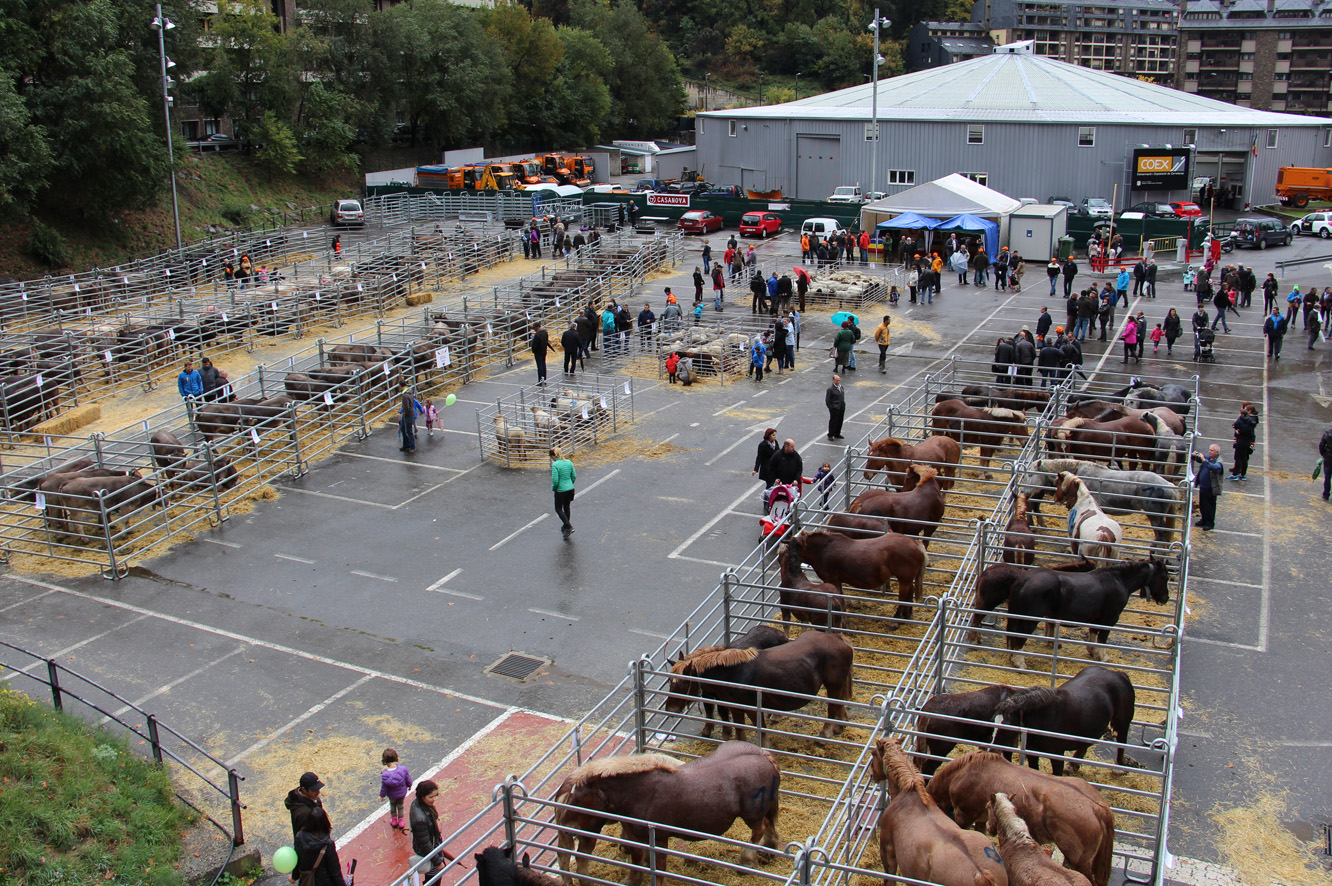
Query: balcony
{"type": "Point", "coordinates": [1305, 61]}
{"type": "Point", "coordinates": [1220, 59]}
{"type": "Point", "coordinates": [1312, 41]}
{"type": "Point", "coordinates": [1222, 41]}
{"type": "Point", "coordinates": [1309, 82]}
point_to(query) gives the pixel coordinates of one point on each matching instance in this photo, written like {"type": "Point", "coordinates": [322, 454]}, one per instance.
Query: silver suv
{"type": "Point", "coordinates": [346, 212]}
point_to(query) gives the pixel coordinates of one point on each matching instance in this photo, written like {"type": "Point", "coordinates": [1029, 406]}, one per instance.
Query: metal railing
{"type": "Point", "coordinates": [519, 430]}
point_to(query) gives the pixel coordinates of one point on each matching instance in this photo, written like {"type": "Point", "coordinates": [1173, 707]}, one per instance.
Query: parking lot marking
{"type": "Point", "coordinates": [398, 461]}
{"type": "Point", "coordinates": [599, 482]}
{"type": "Point", "coordinates": [26, 601]}
{"type": "Point", "coordinates": [373, 575]}
{"type": "Point", "coordinates": [1246, 647]}
{"type": "Point", "coordinates": [174, 683]}
{"type": "Point", "coordinates": [512, 535]}
{"type": "Point", "coordinates": [670, 438]}
{"type": "Point", "coordinates": [437, 585]}
{"type": "Point", "coordinates": [689, 559]}
{"type": "Point", "coordinates": [653, 634]}
{"type": "Point", "coordinates": [348, 499]}
{"type": "Point", "coordinates": [225, 544]}
{"type": "Point", "coordinates": [1237, 532]}
{"type": "Point", "coordinates": [749, 435]}
{"type": "Point", "coordinates": [675, 554]}
{"type": "Point", "coordinates": [79, 645]}
{"type": "Point", "coordinates": [295, 559]}
{"type": "Point", "coordinates": [1223, 581]}
{"type": "Point", "coordinates": [660, 409]}
{"type": "Point", "coordinates": [728, 408]}
{"type": "Point", "coordinates": [403, 504]}
{"type": "Point", "coordinates": [462, 594]}
{"type": "Point", "coordinates": [280, 731]}
{"type": "Point", "coordinates": [553, 614]}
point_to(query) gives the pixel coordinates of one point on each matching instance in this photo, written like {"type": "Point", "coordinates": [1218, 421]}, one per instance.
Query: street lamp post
{"type": "Point", "coordinates": [162, 24]}
{"type": "Point", "coordinates": [797, 86]}
{"type": "Point", "coordinates": [707, 88]}
{"type": "Point", "coordinates": [876, 26]}
{"type": "Point", "coordinates": [760, 89]}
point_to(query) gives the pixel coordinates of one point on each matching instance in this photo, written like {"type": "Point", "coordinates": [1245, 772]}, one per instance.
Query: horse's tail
{"type": "Point", "coordinates": [985, 878]}
{"type": "Point", "coordinates": [1105, 850]}
{"type": "Point", "coordinates": [1026, 700]}
{"type": "Point", "coordinates": [920, 574]}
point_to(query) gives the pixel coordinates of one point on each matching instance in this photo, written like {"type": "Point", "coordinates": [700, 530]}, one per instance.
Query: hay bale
{"type": "Point", "coordinates": [68, 422]}
{"type": "Point", "coordinates": [419, 298]}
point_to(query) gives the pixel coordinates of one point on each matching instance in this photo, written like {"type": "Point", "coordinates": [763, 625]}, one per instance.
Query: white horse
{"type": "Point", "coordinates": [1093, 535]}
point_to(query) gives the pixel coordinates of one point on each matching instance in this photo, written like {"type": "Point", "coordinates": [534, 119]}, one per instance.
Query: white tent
{"type": "Point", "coordinates": [943, 198]}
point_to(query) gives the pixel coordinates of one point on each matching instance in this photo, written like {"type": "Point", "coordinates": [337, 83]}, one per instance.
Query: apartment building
{"type": "Point", "coordinates": [932, 44]}
{"type": "Point", "coordinates": [1268, 54]}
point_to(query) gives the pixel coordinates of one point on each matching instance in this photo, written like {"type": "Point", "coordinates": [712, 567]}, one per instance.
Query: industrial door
{"type": "Point", "coordinates": [818, 165]}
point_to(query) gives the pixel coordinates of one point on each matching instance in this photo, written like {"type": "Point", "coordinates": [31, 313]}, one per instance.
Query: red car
{"type": "Point", "coordinates": [700, 221]}
{"type": "Point", "coordinates": [759, 224]}
{"type": "Point", "coordinates": [1186, 210]}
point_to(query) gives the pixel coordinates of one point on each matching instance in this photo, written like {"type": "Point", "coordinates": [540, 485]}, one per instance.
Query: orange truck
{"type": "Point", "coordinates": [528, 172]}
{"type": "Point", "coordinates": [1297, 185]}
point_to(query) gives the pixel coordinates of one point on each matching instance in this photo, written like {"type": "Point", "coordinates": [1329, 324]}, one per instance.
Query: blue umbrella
{"type": "Point", "coordinates": [842, 316]}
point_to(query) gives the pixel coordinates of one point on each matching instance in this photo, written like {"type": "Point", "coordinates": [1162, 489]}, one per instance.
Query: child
{"type": "Point", "coordinates": [672, 362]}
{"type": "Point", "coordinates": [698, 312]}
{"type": "Point", "coordinates": [893, 296]}
{"type": "Point", "coordinates": [394, 783]}
{"type": "Point", "coordinates": [431, 416]}
{"type": "Point", "coordinates": [1189, 274]}
{"type": "Point", "coordinates": [1156, 336]}
{"type": "Point", "coordinates": [823, 481]}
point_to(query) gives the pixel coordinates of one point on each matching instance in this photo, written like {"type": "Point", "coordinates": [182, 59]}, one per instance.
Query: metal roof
{"type": "Point", "coordinates": [1018, 87]}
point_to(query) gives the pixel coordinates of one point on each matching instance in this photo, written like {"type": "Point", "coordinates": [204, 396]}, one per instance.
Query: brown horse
{"type": "Point", "coordinates": [784, 674]}
{"type": "Point", "coordinates": [894, 456]}
{"type": "Point", "coordinates": [706, 794]}
{"type": "Point", "coordinates": [870, 563]}
{"type": "Point", "coordinates": [1098, 410]}
{"type": "Point", "coordinates": [1129, 441]}
{"type": "Point", "coordinates": [938, 736]}
{"type": "Point", "coordinates": [801, 599]}
{"type": "Point", "coordinates": [987, 427]}
{"type": "Point", "coordinates": [1065, 811]}
{"type": "Point", "coordinates": [1026, 863]}
{"type": "Point", "coordinates": [1019, 543]}
{"type": "Point", "coordinates": [916, 836]}
{"type": "Point", "coordinates": [916, 511]}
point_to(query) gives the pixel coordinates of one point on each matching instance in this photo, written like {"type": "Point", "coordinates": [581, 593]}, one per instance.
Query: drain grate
{"type": "Point", "coordinates": [516, 666]}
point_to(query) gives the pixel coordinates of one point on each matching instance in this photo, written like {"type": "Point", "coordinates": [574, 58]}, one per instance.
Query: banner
{"type": "Point", "coordinates": [668, 200]}
{"type": "Point", "coordinates": [1161, 169]}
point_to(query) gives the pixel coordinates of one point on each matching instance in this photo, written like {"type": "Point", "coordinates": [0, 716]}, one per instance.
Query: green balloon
{"type": "Point", "coordinates": [284, 860]}
{"type": "Point", "coordinates": [450, 399]}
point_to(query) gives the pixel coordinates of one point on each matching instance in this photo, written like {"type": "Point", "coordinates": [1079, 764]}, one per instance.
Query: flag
{"type": "Point", "coordinates": [1253, 148]}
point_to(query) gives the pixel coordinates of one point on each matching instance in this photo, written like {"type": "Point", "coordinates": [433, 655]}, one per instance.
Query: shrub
{"type": "Point", "coordinates": [48, 246]}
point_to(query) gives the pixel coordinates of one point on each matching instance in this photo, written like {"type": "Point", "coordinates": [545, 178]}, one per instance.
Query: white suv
{"type": "Point", "coordinates": [1319, 223]}
{"type": "Point", "coordinates": [346, 212]}
{"type": "Point", "coordinates": [846, 194]}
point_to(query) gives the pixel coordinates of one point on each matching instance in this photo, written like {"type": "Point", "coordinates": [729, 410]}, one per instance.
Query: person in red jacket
{"type": "Point", "coordinates": [864, 247]}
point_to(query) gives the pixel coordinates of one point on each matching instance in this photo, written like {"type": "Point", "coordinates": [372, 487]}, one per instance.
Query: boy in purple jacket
{"type": "Point", "coordinates": [395, 782]}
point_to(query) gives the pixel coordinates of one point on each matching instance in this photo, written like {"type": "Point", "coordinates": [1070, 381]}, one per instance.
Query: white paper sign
{"type": "Point", "coordinates": [274, 307]}
{"type": "Point", "coordinates": [490, 330]}
{"type": "Point", "coordinates": [316, 296]}
{"type": "Point", "coordinates": [224, 316]}
{"type": "Point", "coordinates": [585, 410]}
{"type": "Point", "coordinates": [106, 355]}
{"type": "Point", "coordinates": [603, 402]}
{"type": "Point", "coordinates": [167, 271]}
{"type": "Point", "coordinates": [39, 380]}
{"type": "Point", "coordinates": [557, 303]}
{"type": "Point", "coordinates": [254, 435]}
{"type": "Point", "coordinates": [442, 358]}
{"type": "Point", "coordinates": [171, 334]}
{"type": "Point", "coordinates": [360, 288]}
{"type": "Point", "coordinates": [1012, 370]}
{"type": "Point", "coordinates": [626, 387]}
{"type": "Point", "coordinates": [395, 277]}
{"type": "Point", "coordinates": [23, 295]}
{"type": "Point", "coordinates": [76, 287]}
{"type": "Point", "coordinates": [40, 502]}
{"type": "Point", "coordinates": [328, 399]}
{"type": "Point", "coordinates": [423, 267]}
{"type": "Point", "coordinates": [268, 242]}
{"type": "Point", "coordinates": [305, 235]}
{"type": "Point", "coordinates": [387, 369]}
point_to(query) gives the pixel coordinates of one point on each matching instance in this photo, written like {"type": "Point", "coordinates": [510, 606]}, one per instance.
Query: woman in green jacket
{"type": "Point", "coordinates": [562, 477]}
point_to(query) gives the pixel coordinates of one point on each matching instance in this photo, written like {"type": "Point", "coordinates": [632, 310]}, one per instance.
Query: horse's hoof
{"type": "Point", "coordinates": [1019, 662]}
{"type": "Point", "coordinates": [748, 857]}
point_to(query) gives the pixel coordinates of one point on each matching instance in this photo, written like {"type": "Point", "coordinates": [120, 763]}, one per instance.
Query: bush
{"type": "Point", "coordinates": [239, 214]}
{"type": "Point", "coordinates": [48, 246]}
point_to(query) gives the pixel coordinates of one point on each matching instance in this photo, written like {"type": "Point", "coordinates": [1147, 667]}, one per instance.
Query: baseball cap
{"type": "Point", "coordinates": [311, 782]}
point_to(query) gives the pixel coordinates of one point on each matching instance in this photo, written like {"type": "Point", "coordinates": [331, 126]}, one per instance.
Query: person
{"type": "Point", "coordinates": [394, 784]}
{"type": "Point", "coordinates": [1188, 277]}
{"type": "Point", "coordinates": [208, 373]}
{"type": "Point", "coordinates": [408, 409]}
{"type": "Point", "coordinates": [1024, 355]}
{"type": "Point", "coordinates": [1070, 270]}
{"type": "Point", "coordinates": [608, 337]}
{"type": "Point", "coordinates": [758, 358]}
{"type": "Point", "coordinates": [718, 287]}
{"type": "Point", "coordinates": [432, 418]}
{"type": "Point", "coordinates": [316, 853]}
{"type": "Point", "coordinates": [1004, 357]}
{"type": "Point", "coordinates": [863, 241]}
{"type": "Point", "coordinates": [835, 399]}
{"type": "Point", "coordinates": [1151, 279]}
{"type": "Point", "coordinates": [777, 351]}
{"type": "Point", "coordinates": [883, 337]}
{"type": "Point", "coordinates": [1199, 324]}
{"type": "Point", "coordinates": [959, 264]}
{"type": "Point", "coordinates": [1139, 277]}
{"type": "Point", "coordinates": [843, 342]}
{"type": "Point", "coordinates": [672, 363]}
{"type": "Point", "coordinates": [1001, 270]}
{"type": "Point", "coordinates": [1106, 313]}
{"type": "Point", "coordinates": [802, 289]}
{"type": "Point", "coordinates": [1221, 301]}
{"type": "Point", "coordinates": [1049, 359]}
{"type": "Point", "coordinates": [1314, 325]}
{"type": "Point", "coordinates": [698, 285]}
{"type": "Point", "coordinates": [1293, 302]}
{"type": "Point", "coordinates": [1156, 335]}
{"type": "Point", "coordinates": [1121, 286]}
{"type": "Point", "coordinates": [1142, 333]}
{"type": "Point", "coordinates": [562, 477]}
{"type": "Point", "coordinates": [772, 287]}
{"type": "Point", "coordinates": [804, 249]}
{"type": "Point", "coordinates": [337, 245]}
{"type": "Point", "coordinates": [855, 331]}
{"type": "Point", "coordinates": [572, 344]}
{"type": "Point", "coordinates": [424, 820]}
{"type": "Point", "coordinates": [698, 312]}
{"type": "Point", "coordinates": [767, 448]}
{"type": "Point", "coordinates": [1248, 283]}
{"type": "Point", "coordinates": [190, 382]}
{"type": "Point", "coordinates": [787, 466]}
{"type": "Point", "coordinates": [784, 290]}
{"type": "Point", "coordinates": [1325, 309]}
{"type": "Point", "coordinates": [822, 482]}
{"type": "Point", "coordinates": [1130, 339]}
{"type": "Point", "coordinates": [302, 800]}
{"type": "Point", "coordinates": [1086, 313]}
{"type": "Point", "coordinates": [1245, 435]}
{"type": "Point", "coordinates": [758, 289]}
{"type": "Point", "coordinates": [1208, 481]}
{"type": "Point", "coordinates": [646, 323]}
{"type": "Point", "coordinates": [1270, 290]}
{"type": "Point", "coordinates": [1325, 452]}
{"type": "Point", "coordinates": [1172, 329]}
{"type": "Point", "coordinates": [707, 258]}
{"type": "Point", "coordinates": [1274, 327]}
{"type": "Point", "coordinates": [795, 322]}
{"type": "Point", "coordinates": [913, 282]}
{"type": "Point", "coordinates": [789, 348]}
{"type": "Point", "coordinates": [540, 344]}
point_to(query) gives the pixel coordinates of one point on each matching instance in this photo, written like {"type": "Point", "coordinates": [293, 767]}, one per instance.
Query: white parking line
{"type": "Point", "coordinates": [225, 544]}
{"type": "Point", "coordinates": [278, 733]}
{"type": "Point", "coordinates": [138, 703]}
{"type": "Point", "coordinates": [79, 645]}
{"type": "Point", "coordinates": [295, 559]}
{"type": "Point", "coordinates": [463, 594]}
{"type": "Point", "coordinates": [437, 585]}
{"type": "Point", "coordinates": [1222, 581]}
{"type": "Point", "coordinates": [512, 535]}
{"type": "Point", "coordinates": [374, 575]}
{"type": "Point", "coordinates": [25, 601]}
{"type": "Point", "coordinates": [727, 408]}
{"type": "Point", "coordinates": [653, 634]}
{"type": "Point", "coordinates": [560, 615]}
{"type": "Point", "coordinates": [599, 482]}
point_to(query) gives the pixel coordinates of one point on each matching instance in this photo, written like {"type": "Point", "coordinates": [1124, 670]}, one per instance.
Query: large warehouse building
{"type": "Point", "coordinates": [1023, 124]}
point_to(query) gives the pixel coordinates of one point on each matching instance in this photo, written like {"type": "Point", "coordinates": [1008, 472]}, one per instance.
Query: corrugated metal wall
{"type": "Point", "coordinates": [1020, 159]}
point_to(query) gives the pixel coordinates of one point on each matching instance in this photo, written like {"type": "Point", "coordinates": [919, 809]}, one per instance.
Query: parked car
{"type": "Point", "coordinates": [1260, 232]}
{"type": "Point", "coordinates": [821, 226]}
{"type": "Point", "coordinates": [346, 212]}
{"type": "Point", "coordinates": [650, 184]}
{"type": "Point", "coordinates": [1060, 201]}
{"type": "Point", "coordinates": [759, 224]}
{"type": "Point", "coordinates": [1152, 209]}
{"type": "Point", "coordinates": [218, 141]}
{"type": "Point", "coordinates": [699, 221]}
{"type": "Point", "coordinates": [402, 133]}
{"type": "Point", "coordinates": [1319, 223]}
{"type": "Point", "coordinates": [1187, 210]}
{"type": "Point", "coordinates": [846, 194]}
{"type": "Point", "coordinates": [724, 191]}
{"type": "Point", "coordinates": [687, 187]}
{"type": "Point", "coordinates": [1097, 207]}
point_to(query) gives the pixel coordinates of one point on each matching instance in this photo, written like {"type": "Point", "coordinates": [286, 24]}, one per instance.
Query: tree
{"type": "Point", "coordinates": [25, 149]}
{"type": "Point", "coordinates": [253, 69]}
{"type": "Point", "coordinates": [579, 98]}
{"type": "Point", "coordinates": [532, 52]}
{"type": "Point", "coordinates": [277, 146]}
{"type": "Point", "coordinates": [647, 93]}
{"type": "Point", "coordinates": [324, 132]}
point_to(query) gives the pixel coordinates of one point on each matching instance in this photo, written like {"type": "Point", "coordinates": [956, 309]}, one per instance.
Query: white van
{"type": "Point", "coordinates": [821, 226]}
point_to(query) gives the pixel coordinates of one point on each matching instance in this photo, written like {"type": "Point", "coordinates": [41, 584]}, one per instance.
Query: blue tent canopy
{"type": "Point", "coordinates": [909, 221]}
{"type": "Point", "coordinates": [975, 225]}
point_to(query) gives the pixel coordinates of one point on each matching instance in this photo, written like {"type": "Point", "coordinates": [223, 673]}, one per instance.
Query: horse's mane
{"type": "Point", "coordinates": [626, 764]}
{"type": "Point", "coordinates": [1074, 423]}
{"type": "Point", "coordinates": [1001, 412]}
{"type": "Point", "coordinates": [1026, 700]}
{"type": "Point", "coordinates": [894, 440]}
{"type": "Point", "coordinates": [923, 473]}
{"type": "Point", "coordinates": [1020, 507]}
{"type": "Point", "coordinates": [1112, 413]}
{"type": "Point", "coordinates": [899, 770]}
{"type": "Point", "coordinates": [705, 659]}
{"type": "Point", "coordinates": [1158, 424]}
{"type": "Point", "coordinates": [1057, 465]}
{"type": "Point", "coordinates": [1012, 829]}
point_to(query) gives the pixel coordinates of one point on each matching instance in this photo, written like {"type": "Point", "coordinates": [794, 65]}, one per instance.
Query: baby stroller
{"type": "Point", "coordinates": [1206, 341]}
{"type": "Point", "coordinates": [777, 504]}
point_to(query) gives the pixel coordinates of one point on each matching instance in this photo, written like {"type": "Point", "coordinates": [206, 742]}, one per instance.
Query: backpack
{"type": "Point", "coordinates": [1325, 444]}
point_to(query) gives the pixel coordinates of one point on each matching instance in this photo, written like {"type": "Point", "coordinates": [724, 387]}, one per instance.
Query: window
{"type": "Point", "coordinates": [871, 133]}
{"type": "Point", "coordinates": [731, 128]}
{"type": "Point", "coordinates": [1190, 136]}
{"type": "Point", "coordinates": [1327, 138]}
{"type": "Point", "coordinates": [1272, 137]}
{"type": "Point", "coordinates": [976, 134]}
{"type": "Point", "coordinates": [1086, 136]}
{"type": "Point", "coordinates": [908, 176]}
{"type": "Point", "coordinates": [980, 178]}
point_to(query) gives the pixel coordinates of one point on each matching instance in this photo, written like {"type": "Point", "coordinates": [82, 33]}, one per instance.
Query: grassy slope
{"type": "Point", "coordinates": [77, 806]}
{"type": "Point", "coordinates": [206, 184]}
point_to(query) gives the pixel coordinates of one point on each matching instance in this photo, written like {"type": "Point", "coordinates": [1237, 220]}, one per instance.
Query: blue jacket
{"type": "Point", "coordinates": [1122, 281]}
{"type": "Point", "coordinates": [758, 355]}
{"type": "Point", "coordinates": [190, 383]}
{"type": "Point", "coordinates": [772, 286]}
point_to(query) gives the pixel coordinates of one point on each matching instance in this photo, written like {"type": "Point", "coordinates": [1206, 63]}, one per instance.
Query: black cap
{"type": "Point", "coordinates": [311, 782]}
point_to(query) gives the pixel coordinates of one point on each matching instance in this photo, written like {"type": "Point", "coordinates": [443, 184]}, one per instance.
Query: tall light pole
{"type": "Point", "coordinates": [875, 27]}
{"type": "Point", "coordinates": [797, 86]}
{"type": "Point", "coordinates": [760, 89]}
{"type": "Point", "coordinates": [707, 88]}
{"type": "Point", "coordinates": [162, 24]}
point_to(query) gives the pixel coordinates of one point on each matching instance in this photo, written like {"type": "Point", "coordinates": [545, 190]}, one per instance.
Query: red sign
{"type": "Point", "coordinates": [668, 200]}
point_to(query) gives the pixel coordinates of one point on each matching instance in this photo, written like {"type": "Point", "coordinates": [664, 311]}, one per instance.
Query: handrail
{"type": "Point", "coordinates": [1300, 262]}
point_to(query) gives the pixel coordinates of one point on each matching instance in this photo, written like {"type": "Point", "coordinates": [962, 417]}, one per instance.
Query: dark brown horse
{"type": "Point", "coordinates": [916, 511]}
{"type": "Point", "coordinates": [1092, 702]}
{"type": "Point", "coordinates": [707, 794]}
{"type": "Point", "coordinates": [986, 427]}
{"type": "Point", "coordinates": [808, 663]}
{"type": "Point", "coordinates": [757, 637]}
{"type": "Point", "coordinates": [996, 582]}
{"type": "Point", "coordinates": [803, 600]}
{"type": "Point", "coordinates": [938, 736]}
{"type": "Point", "coordinates": [1129, 441]}
{"type": "Point", "coordinates": [1102, 410]}
{"type": "Point", "coordinates": [870, 563]}
{"type": "Point", "coordinates": [1019, 543]}
{"type": "Point", "coordinates": [1021, 399]}
{"type": "Point", "coordinates": [496, 867]}
{"type": "Point", "coordinates": [1067, 811]}
{"type": "Point", "coordinates": [917, 838]}
{"type": "Point", "coordinates": [894, 456]}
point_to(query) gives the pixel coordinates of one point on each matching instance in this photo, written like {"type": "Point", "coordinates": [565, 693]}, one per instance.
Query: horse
{"type": "Point", "coordinates": [987, 427]}
{"type": "Point", "coordinates": [1019, 543]}
{"type": "Point", "coordinates": [918, 838]}
{"type": "Point", "coordinates": [915, 511]}
{"type": "Point", "coordinates": [869, 563]}
{"type": "Point", "coordinates": [1130, 442]}
{"type": "Point", "coordinates": [1176, 397]}
{"type": "Point", "coordinates": [1117, 492]}
{"type": "Point", "coordinates": [1065, 811]}
{"type": "Point", "coordinates": [1024, 859]}
{"type": "Point", "coordinates": [996, 582]}
{"type": "Point", "coordinates": [785, 674]}
{"type": "Point", "coordinates": [894, 456]}
{"type": "Point", "coordinates": [1101, 409]}
{"type": "Point", "coordinates": [1092, 534]}
{"type": "Point", "coordinates": [1093, 702]}
{"type": "Point", "coordinates": [757, 637]}
{"type": "Point", "coordinates": [496, 867]}
{"type": "Point", "coordinates": [1097, 597]}
{"type": "Point", "coordinates": [1020, 399]}
{"type": "Point", "coordinates": [939, 736]}
{"type": "Point", "coordinates": [707, 794]}
{"type": "Point", "coordinates": [800, 599]}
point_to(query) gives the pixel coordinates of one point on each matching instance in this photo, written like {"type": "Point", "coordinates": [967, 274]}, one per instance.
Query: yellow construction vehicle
{"type": "Point", "coordinates": [493, 177]}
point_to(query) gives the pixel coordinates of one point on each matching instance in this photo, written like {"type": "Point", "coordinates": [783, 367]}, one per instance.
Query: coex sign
{"type": "Point", "coordinates": [1161, 169]}
{"type": "Point", "coordinates": [668, 200]}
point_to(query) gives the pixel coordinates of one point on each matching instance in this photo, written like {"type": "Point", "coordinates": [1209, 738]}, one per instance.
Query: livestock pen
{"type": "Point", "coordinates": [519, 430]}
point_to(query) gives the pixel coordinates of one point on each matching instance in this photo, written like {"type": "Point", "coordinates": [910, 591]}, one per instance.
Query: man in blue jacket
{"type": "Point", "coordinates": [1121, 287]}
{"type": "Point", "coordinates": [190, 382]}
